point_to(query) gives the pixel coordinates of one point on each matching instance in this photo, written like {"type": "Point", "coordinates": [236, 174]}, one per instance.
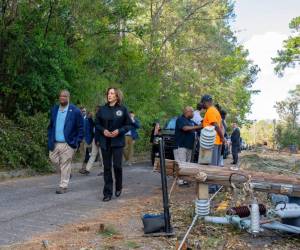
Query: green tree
{"type": "Point", "coordinates": [288, 130]}
{"type": "Point", "coordinates": [259, 133]}
{"type": "Point", "coordinates": [289, 56]}
{"type": "Point", "coordinates": [163, 54]}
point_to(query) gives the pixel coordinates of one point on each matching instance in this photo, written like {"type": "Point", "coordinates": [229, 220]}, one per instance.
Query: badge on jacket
{"type": "Point", "coordinates": [119, 113]}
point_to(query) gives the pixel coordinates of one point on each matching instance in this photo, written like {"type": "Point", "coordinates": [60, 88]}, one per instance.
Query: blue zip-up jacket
{"type": "Point", "coordinates": [88, 130]}
{"type": "Point", "coordinates": [73, 129]}
{"type": "Point", "coordinates": [136, 125]}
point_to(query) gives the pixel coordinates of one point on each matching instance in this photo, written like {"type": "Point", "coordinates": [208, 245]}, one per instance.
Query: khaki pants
{"type": "Point", "coordinates": [85, 150]}
{"type": "Point", "coordinates": [61, 157]}
{"type": "Point", "coordinates": [95, 151]}
{"type": "Point", "coordinates": [182, 154]}
{"type": "Point", "coordinates": [129, 148]}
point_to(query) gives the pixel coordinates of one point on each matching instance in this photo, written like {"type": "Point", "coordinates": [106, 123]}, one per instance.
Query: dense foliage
{"type": "Point", "coordinates": [22, 143]}
{"type": "Point", "coordinates": [289, 55]}
{"type": "Point", "coordinates": [288, 129]}
{"type": "Point", "coordinates": [163, 54]}
{"type": "Point", "coordinates": [260, 133]}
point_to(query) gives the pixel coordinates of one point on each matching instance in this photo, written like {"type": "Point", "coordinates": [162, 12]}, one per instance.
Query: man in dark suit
{"type": "Point", "coordinates": [88, 131]}
{"type": "Point", "coordinates": [235, 143]}
{"type": "Point", "coordinates": [65, 133]}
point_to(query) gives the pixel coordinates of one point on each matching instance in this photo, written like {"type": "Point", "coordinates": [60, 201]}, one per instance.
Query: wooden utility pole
{"type": "Point", "coordinates": [225, 176]}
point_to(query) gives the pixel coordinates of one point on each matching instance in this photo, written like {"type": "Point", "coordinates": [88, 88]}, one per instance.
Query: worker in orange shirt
{"type": "Point", "coordinates": [213, 118]}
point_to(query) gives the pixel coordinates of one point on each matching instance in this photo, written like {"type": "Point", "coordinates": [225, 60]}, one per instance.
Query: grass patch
{"type": "Point", "coordinates": [132, 245]}
{"type": "Point", "coordinates": [211, 243]}
{"type": "Point", "coordinates": [109, 231]}
{"type": "Point", "coordinates": [265, 163]}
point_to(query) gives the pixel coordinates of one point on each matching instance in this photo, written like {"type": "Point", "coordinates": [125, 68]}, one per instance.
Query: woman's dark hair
{"type": "Point", "coordinates": [199, 106]}
{"type": "Point", "coordinates": [118, 93]}
{"type": "Point", "coordinates": [223, 114]}
{"type": "Point", "coordinates": [155, 122]}
{"type": "Point", "coordinates": [218, 107]}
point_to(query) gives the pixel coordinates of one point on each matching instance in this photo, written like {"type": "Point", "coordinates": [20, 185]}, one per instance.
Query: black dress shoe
{"type": "Point", "coordinates": [84, 171]}
{"type": "Point", "coordinates": [106, 198]}
{"type": "Point", "coordinates": [61, 190]}
{"type": "Point", "coordinates": [118, 193]}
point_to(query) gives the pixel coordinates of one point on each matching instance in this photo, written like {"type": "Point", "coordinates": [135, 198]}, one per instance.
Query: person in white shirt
{"type": "Point", "coordinates": [197, 118]}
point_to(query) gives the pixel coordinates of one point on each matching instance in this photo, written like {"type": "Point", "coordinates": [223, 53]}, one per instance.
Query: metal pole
{"type": "Point", "coordinates": [164, 186]}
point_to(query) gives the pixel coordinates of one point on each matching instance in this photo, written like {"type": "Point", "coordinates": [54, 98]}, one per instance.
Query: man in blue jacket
{"type": "Point", "coordinates": [130, 137]}
{"type": "Point", "coordinates": [65, 133]}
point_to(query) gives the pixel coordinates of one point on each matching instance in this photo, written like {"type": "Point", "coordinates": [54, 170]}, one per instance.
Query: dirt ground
{"type": "Point", "coordinates": [122, 228]}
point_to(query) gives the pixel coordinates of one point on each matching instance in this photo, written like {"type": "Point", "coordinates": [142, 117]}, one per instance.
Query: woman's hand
{"type": "Point", "coordinates": [115, 133]}
{"type": "Point", "coordinates": [107, 133]}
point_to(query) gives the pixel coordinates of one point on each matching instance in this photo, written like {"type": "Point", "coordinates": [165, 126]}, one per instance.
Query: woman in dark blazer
{"type": "Point", "coordinates": [112, 123]}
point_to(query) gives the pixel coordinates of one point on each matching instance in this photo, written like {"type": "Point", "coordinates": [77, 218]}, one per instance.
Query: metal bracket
{"type": "Point", "coordinates": [286, 189]}
{"type": "Point", "coordinates": [263, 186]}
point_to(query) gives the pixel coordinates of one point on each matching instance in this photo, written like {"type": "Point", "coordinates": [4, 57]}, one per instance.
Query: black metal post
{"type": "Point", "coordinates": [164, 184]}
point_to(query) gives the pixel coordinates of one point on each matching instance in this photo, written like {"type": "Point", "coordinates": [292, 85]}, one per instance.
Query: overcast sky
{"type": "Point", "coordinates": [261, 26]}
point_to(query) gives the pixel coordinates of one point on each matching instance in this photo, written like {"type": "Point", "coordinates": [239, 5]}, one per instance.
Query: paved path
{"type": "Point", "coordinates": [30, 206]}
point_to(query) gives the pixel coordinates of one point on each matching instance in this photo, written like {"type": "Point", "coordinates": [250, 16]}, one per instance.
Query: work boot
{"type": "Point", "coordinates": [84, 171]}
{"type": "Point", "coordinates": [61, 190]}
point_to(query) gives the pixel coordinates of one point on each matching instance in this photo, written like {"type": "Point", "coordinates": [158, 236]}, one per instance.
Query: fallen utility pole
{"type": "Point", "coordinates": [226, 176]}
{"type": "Point", "coordinates": [204, 175]}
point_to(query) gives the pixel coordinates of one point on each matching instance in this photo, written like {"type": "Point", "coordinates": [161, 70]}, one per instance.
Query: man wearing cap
{"type": "Point", "coordinates": [213, 118]}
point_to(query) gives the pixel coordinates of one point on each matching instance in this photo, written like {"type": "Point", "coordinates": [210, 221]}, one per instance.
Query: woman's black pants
{"type": "Point", "coordinates": [112, 157]}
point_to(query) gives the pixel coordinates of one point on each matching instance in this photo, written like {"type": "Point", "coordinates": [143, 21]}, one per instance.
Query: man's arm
{"type": "Point", "coordinates": [181, 124]}
{"type": "Point", "coordinates": [238, 133]}
{"type": "Point", "coordinates": [128, 124]}
{"type": "Point", "coordinates": [50, 126]}
{"type": "Point", "coordinates": [191, 128]}
{"type": "Point", "coordinates": [219, 131]}
{"type": "Point", "coordinates": [235, 136]}
{"type": "Point", "coordinates": [238, 136]}
{"type": "Point", "coordinates": [136, 123]}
